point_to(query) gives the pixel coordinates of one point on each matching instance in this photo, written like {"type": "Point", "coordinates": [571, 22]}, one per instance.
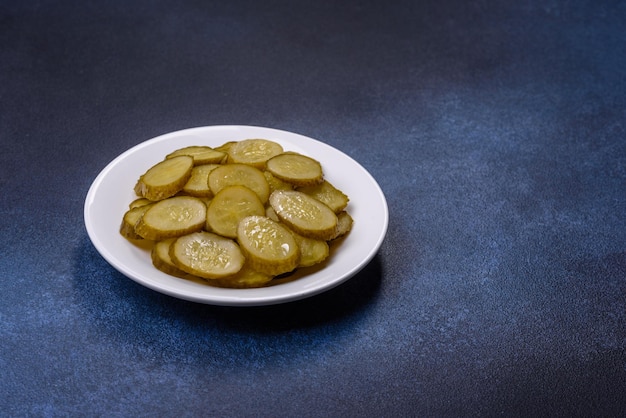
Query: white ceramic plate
{"type": "Point", "coordinates": [112, 191]}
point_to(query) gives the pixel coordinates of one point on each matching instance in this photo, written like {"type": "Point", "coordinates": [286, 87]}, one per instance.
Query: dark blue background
{"type": "Point", "coordinates": [495, 129]}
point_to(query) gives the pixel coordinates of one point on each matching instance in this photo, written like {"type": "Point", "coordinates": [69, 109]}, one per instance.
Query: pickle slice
{"type": "Point", "coordinates": [200, 154]}
{"type": "Point", "coordinates": [254, 152]}
{"type": "Point", "coordinates": [225, 147]}
{"type": "Point", "coordinates": [172, 217]}
{"type": "Point", "coordinates": [130, 219]}
{"type": "Point", "coordinates": [327, 194]}
{"type": "Point", "coordinates": [198, 183]}
{"type": "Point", "coordinates": [296, 169]}
{"type": "Point", "coordinates": [142, 201]}
{"type": "Point", "coordinates": [312, 251]}
{"type": "Point", "coordinates": [160, 255]}
{"type": "Point", "coordinates": [275, 183]}
{"type": "Point", "coordinates": [229, 206]}
{"type": "Point", "coordinates": [244, 279]}
{"type": "Point", "coordinates": [344, 224]}
{"type": "Point", "coordinates": [269, 247]}
{"type": "Point", "coordinates": [271, 213]}
{"type": "Point", "coordinates": [206, 255]}
{"type": "Point", "coordinates": [165, 178]}
{"type": "Point", "coordinates": [304, 214]}
{"type": "Point", "coordinates": [239, 175]}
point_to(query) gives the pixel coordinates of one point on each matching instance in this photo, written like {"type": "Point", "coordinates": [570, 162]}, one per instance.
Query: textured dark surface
{"type": "Point", "coordinates": [495, 129]}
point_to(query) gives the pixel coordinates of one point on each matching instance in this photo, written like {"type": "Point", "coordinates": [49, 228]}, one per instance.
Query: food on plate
{"type": "Point", "coordinates": [296, 169]}
{"type": "Point", "coordinates": [312, 251]}
{"type": "Point", "coordinates": [165, 179]}
{"type": "Point", "coordinates": [130, 219]}
{"type": "Point", "coordinates": [304, 214]}
{"type": "Point", "coordinates": [239, 215]}
{"type": "Point", "coordinates": [200, 154]}
{"type": "Point", "coordinates": [205, 254]}
{"type": "Point", "coordinates": [171, 217]}
{"type": "Point", "coordinates": [239, 175]}
{"type": "Point", "coordinates": [344, 224]}
{"type": "Point", "coordinates": [161, 259]}
{"type": "Point", "coordinates": [269, 246]}
{"type": "Point", "coordinates": [254, 152]}
{"type": "Point", "coordinates": [327, 194]}
{"type": "Point", "coordinates": [229, 206]}
{"type": "Point", "coordinates": [140, 201]}
{"type": "Point", "coordinates": [197, 184]}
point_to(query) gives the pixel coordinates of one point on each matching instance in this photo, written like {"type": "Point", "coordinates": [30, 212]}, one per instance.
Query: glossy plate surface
{"type": "Point", "coordinates": [112, 191]}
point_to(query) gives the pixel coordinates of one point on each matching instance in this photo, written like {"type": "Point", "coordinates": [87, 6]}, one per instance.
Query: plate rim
{"type": "Point", "coordinates": [239, 298]}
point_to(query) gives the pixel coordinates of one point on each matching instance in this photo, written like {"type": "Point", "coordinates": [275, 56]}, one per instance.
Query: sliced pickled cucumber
{"type": "Point", "coordinates": [275, 183]}
{"type": "Point", "coordinates": [206, 255]}
{"type": "Point", "coordinates": [172, 217]}
{"type": "Point", "coordinates": [296, 169]}
{"type": "Point", "coordinates": [344, 224]}
{"type": "Point", "coordinates": [165, 178]}
{"type": "Point", "coordinates": [130, 219]}
{"type": "Point", "coordinates": [225, 190]}
{"type": "Point", "coordinates": [198, 183]}
{"type": "Point", "coordinates": [142, 201]}
{"type": "Point", "coordinates": [271, 213]}
{"type": "Point", "coordinates": [269, 247]}
{"type": "Point", "coordinates": [206, 200]}
{"type": "Point", "coordinates": [229, 206]}
{"type": "Point", "coordinates": [239, 175]}
{"type": "Point", "coordinates": [312, 251]}
{"type": "Point", "coordinates": [160, 256]}
{"type": "Point", "coordinates": [327, 194]}
{"type": "Point", "coordinates": [225, 147]}
{"type": "Point", "coordinates": [304, 214]}
{"type": "Point", "coordinates": [244, 279]}
{"type": "Point", "coordinates": [253, 152]}
{"type": "Point", "coordinates": [200, 154]}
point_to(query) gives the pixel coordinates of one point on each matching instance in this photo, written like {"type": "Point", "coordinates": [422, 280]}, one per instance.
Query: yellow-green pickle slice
{"type": "Point", "coordinates": [268, 246]}
{"type": "Point", "coordinates": [206, 255]}
{"type": "Point", "coordinates": [165, 178]}
{"type": "Point", "coordinates": [304, 214]}
{"type": "Point", "coordinates": [172, 217]}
